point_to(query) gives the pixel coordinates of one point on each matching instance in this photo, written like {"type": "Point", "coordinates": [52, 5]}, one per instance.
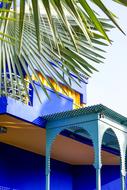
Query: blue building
{"type": "Point", "coordinates": [53, 145]}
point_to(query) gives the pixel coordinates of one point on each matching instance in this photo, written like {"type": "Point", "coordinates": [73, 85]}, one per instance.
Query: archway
{"type": "Point", "coordinates": [110, 161]}
{"type": "Point", "coordinates": [72, 156]}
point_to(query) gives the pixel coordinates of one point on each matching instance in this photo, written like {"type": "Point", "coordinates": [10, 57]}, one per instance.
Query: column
{"type": "Point", "coordinates": [98, 176]}
{"type": "Point", "coordinates": [123, 180]}
{"type": "Point", "coordinates": [47, 164]}
{"type": "Point", "coordinates": [98, 166]}
{"type": "Point", "coordinates": [50, 137]}
{"type": "Point", "coordinates": [97, 162]}
{"type": "Point", "coordinates": [123, 165]}
{"type": "Point", "coordinates": [47, 173]}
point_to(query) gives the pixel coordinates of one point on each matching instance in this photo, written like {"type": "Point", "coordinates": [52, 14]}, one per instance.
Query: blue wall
{"type": "Point", "coordinates": [34, 112]}
{"type": "Point", "coordinates": [3, 105]}
{"type": "Point", "coordinates": [84, 178]}
{"type": "Point", "coordinates": [82, 89]}
{"type": "Point", "coordinates": [46, 106]}
{"type": "Point", "coordinates": [22, 170]}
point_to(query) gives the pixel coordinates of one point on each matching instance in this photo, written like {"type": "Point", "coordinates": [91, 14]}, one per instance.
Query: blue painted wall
{"type": "Point", "coordinates": [22, 170]}
{"type": "Point", "coordinates": [84, 178]}
{"type": "Point", "coordinates": [82, 89]}
{"type": "Point", "coordinates": [32, 113]}
{"type": "Point", "coordinates": [46, 106]}
{"type": "Point", "coordinates": [3, 105]}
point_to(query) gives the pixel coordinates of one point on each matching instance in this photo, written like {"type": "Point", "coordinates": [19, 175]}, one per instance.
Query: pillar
{"type": "Point", "coordinates": [47, 164]}
{"type": "Point", "coordinates": [123, 180]}
{"type": "Point", "coordinates": [97, 150]}
{"type": "Point", "coordinates": [98, 166]}
{"type": "Point", "coordinates": [98, 178]}
{"type": "Point", "coordinates": [50, 136]}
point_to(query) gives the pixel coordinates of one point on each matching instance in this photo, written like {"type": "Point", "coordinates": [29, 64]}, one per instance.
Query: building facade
{"type": "Point", "coordinates": [59, 143]}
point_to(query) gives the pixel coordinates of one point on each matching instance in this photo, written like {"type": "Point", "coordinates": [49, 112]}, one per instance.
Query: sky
{"type": "Point", "coordinates": [109, 85]}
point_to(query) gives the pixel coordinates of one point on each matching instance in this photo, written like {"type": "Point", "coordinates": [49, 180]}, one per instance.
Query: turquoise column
{"type": "Point", "coordinates": [123, 180]}
{"type": "Point", "coordinates": [47, 182]}
{"type": "Point", "coordinates": [47, 169]}
{"type": "Point", "coordinates": [97, 150]}
{"type": "Point", "coordinates": [51, 134]}
{"type": "Point", "coordinates": [122, 143]}
{"type": "Point", "coordinates": [98, 177]}
{"type": "Point", "coordinates": [49, 141]}
{"type": "Point", "coordinates": [123, 168]}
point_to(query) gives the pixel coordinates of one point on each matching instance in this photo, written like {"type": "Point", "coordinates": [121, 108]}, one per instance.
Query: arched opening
{"type": "Point", "coordinates": [110, 161]}
{"type": "Point", "coordinates": [72, 158]}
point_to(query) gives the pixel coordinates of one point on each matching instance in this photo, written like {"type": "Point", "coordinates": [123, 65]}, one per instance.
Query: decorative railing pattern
{"type": "Point", "coordinates": [13, 86]}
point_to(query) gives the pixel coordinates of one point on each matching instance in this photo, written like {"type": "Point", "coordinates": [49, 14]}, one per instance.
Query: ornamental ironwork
{"type": "Point", "coordinates": [12, 86]}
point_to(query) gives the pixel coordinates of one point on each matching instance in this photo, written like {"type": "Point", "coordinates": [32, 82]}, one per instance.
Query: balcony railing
{"type": "Point", "coordinates": [14, 87]}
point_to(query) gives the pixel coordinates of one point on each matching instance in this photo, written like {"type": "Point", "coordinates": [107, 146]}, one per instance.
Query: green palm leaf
{"type": "Point", "coordinates": [35, 34]}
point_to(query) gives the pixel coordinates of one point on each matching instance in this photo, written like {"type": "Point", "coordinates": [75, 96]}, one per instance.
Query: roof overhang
{"type": "Point", "coordinates": [30, 137]}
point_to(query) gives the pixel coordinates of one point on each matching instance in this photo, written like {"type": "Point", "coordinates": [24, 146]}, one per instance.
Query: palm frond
{"type": "Point", "coordinates": [57, 38]}
{"type": "Point", "coordinates": [50, 61]}
{"type": "Point", "coordinates": [122, 2]}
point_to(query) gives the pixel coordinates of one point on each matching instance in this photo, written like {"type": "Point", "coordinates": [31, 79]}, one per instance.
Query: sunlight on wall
{"type": "Point", "coordinates": [76, 96]}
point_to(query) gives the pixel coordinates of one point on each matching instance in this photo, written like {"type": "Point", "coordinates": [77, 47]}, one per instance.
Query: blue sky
{"type": "Point", "coordinates": [109, 85]}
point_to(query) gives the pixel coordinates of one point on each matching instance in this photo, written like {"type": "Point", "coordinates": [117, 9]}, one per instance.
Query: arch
{"type": "Point", "coordinates": [111, 157]}
{"type": "Point", "coordinates": [53, 133]}
{"type": "Point", "coordinates": [75, 130]}
{"type": "Point", "coordinates": [110, 140]}
{"type": "Point", "coordinates": [114, 131]}
{"type": "Point", "coordinates": [75, 133]}
{"type": "Point", "coordinates": [121, 141]}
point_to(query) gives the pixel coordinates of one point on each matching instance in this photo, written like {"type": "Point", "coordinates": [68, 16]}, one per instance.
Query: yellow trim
{"type": "Point", "coordinates": [64, 90]}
